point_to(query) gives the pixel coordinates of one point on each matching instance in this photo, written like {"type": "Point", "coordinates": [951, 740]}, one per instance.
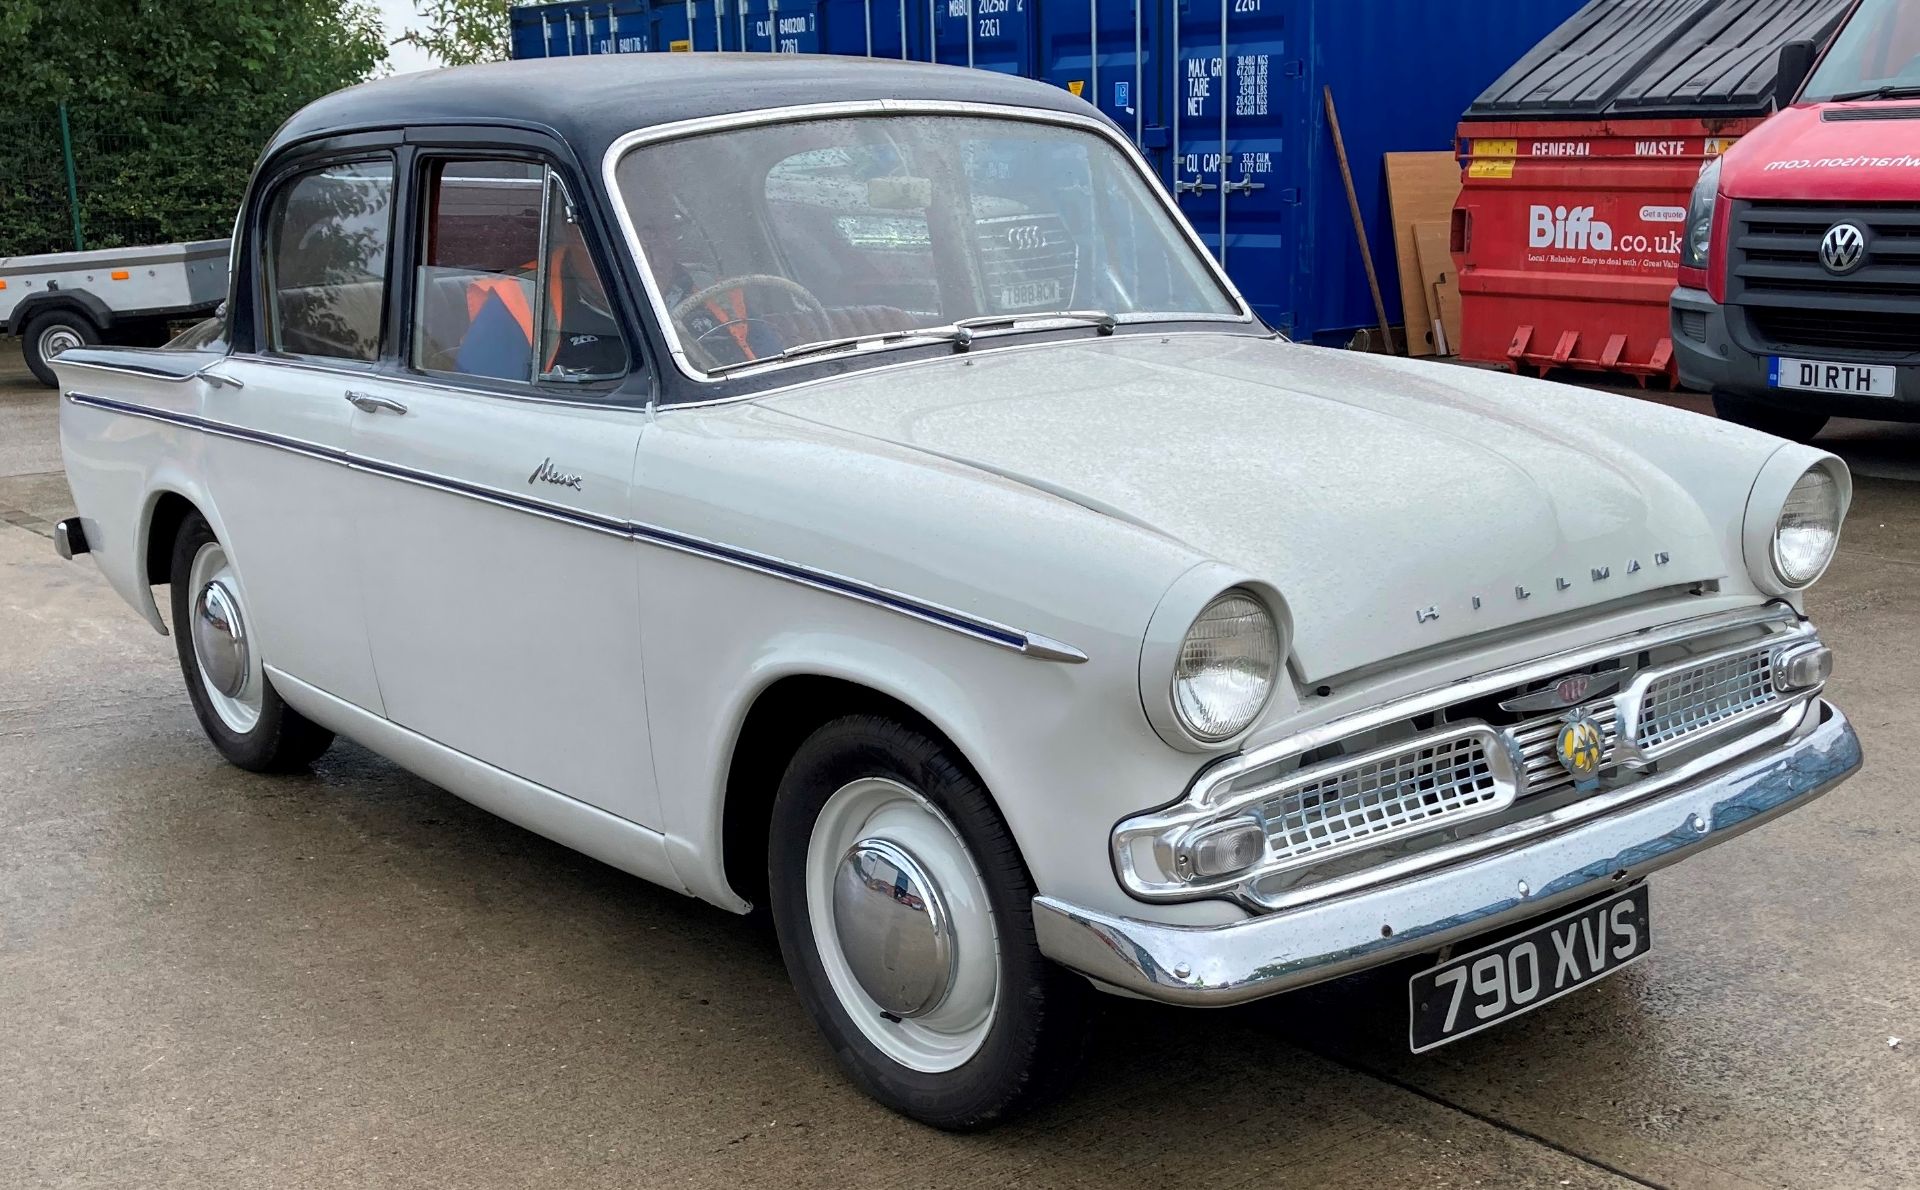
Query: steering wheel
{"type": "Point", "coordinates": [800, 294]}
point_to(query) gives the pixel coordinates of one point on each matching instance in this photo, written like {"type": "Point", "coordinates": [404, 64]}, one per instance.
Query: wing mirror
{"type": "Point", "coordinates": [1796, 63]}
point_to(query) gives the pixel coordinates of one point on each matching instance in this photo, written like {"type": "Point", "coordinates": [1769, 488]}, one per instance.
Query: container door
{"type": "Point", "coordinates": [679, 28]}
{"type": "Point", "coordinates": [1236, 126]}
{"type": "Point", "coordinates": [986, 34]}
{"type": "Point", "coordinates": [1112, 54]}
{"type": "Point", "coordinates": [872, 28]}
{"type": "Point", "coordinates": [618, 29]}
{"type": "Point", "coordinates": [782, 26]}
{"type": "Point", "coordinates": [529, 35]}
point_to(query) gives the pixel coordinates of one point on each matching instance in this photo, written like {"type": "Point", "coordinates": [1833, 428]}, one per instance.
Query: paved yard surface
{"type": "Point", "coordinates": [352, 978]}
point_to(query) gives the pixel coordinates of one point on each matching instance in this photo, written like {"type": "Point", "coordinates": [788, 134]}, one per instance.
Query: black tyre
{"type": "Point", "coordinates": [237, 705]}
{"type": "Point", "coordinates": [1798, 425]}
{"type": "Point", "coordinates": [884, 843]}
{"type": "Point", "coordinates": [50, 333]}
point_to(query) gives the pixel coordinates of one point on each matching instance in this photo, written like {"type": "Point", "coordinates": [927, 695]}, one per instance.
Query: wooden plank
{"type": "Point", "coordinates": [1438, 284]}
{"type": "Point", "coordinates": [1421, 187]}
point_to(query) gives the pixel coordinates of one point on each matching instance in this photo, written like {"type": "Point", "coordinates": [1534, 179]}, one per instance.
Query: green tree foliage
{"type": "Point", "coordinates": [169, 104]}
{"type": "Point", "coordinates": [460, 32]}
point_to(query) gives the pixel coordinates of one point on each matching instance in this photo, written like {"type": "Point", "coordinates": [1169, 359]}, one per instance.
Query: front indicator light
{"type": "Point", "coordinates": [1222, 850]}
{"type": "Point", "coordinates": [1803, 668]}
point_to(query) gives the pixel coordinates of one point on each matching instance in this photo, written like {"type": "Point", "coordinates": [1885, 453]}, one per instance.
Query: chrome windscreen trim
{"type": "Point", "coordinates": [681, 129]}
{"type": "Point", "coordinates": [1027, 644]}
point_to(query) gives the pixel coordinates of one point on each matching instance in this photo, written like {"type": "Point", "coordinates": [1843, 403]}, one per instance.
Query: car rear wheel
{"type": "Point", "coordinates": [237, 705]}
{"type": "Point", "coordinates": [1795, 424]}
{"type": "Point", "coordinates": [904, 914]}
{"type": "Point", "coordinates": [48, 334]}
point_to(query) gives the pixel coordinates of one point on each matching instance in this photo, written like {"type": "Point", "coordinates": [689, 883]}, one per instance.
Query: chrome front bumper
{"type": "Point", "coordinates": [1274, 952]}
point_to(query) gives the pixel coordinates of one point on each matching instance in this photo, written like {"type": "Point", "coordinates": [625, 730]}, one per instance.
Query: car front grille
{"type": "Point", "coordinates": [1537, 738]}
{"type": "Point", "coordinates": [1837, 330]}
{"type": "Point", "coordinates": [1679, 704]}
{"type": "Point", "coordinates": [1386, 784]}
{"type": "Point", "coordinates": [1449, 776]}
{"type": "Point", "coordinates": [1794, 302]}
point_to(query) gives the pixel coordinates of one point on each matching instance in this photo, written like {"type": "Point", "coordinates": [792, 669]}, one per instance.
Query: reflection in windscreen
{"type": "Point", "coordinates": [765, 238]}
{"type": "Point", "coordinates": [1879, 47]}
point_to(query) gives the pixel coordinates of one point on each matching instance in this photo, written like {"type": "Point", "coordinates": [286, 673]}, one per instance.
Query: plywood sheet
{"type": "Point", "coordinates": [1421, 188]}
{"type": "Point", "coordinates": [1438, 284]}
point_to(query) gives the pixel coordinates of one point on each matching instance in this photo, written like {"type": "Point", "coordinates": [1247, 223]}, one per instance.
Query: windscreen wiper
{"type": "Point", "coordinates": [952, 334]}
{"type": "Point", "coordinates": [1099, 318]}
{"type": "Point", "coordinates": [960, 333]}
{"type": "Point", "coordinates": [1889, 91]}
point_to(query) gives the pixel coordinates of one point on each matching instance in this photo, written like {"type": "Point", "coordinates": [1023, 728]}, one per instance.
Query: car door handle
{"type": "Point", "coordinates": [218, 380]}
{"type": "Point", "coordinates": [368, 403]}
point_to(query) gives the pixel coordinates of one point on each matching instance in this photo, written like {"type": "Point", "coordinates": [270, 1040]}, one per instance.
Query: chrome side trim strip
{"type": "Point", "coordinates": [1027, 644]}
{"type": "Point", "coordinates": [870, 107]}
{"type": "Point", "coordinates": [133, 370]}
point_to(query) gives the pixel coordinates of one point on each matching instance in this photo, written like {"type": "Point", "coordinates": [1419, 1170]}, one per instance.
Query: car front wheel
{"type": "Point", "coordinates": [237, 705]}
{"type": "Point", "coordinates": [904, 914]}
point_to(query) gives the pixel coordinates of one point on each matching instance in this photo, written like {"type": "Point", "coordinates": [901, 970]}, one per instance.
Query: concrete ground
{"type": "Point", "coordinates": [352, 978]}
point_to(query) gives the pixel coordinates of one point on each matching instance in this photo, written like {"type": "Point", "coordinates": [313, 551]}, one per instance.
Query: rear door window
{"type": "Point", "coordinates": [329, 231]}
{"type": "Point", "coordinates": [506, 288]}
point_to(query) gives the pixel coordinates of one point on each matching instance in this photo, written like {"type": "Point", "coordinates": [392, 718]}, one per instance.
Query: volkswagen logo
{"type": "Point", "coordinates": [1843, 248]}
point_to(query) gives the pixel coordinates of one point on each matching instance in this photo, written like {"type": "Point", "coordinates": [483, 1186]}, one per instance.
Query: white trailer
{"type": "Point", "coordinates": [125, 296]}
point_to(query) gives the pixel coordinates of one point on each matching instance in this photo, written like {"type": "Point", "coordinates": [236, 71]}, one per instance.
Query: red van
{"type": "Point", "coordinates": [1799, 289]}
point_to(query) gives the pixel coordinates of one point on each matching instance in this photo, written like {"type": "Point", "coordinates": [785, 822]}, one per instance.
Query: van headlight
{"type": "Point", "coordinates": [1793, 519]}
{"type": "Point", "coordinates": [1227, 665]}
{"type": "Point", "coordinates": [1215, 652]}
{"type": "Point", "coordinates": [1699, 238]}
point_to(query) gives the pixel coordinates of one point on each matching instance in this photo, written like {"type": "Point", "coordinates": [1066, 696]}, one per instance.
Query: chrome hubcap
{"type": "Point", "coordinates": [56, 339]}
{"type": "Point", "coordinates": [893, 928]}
{"type": "Point", "coordinates": [902, 924]}
{"type": "Point", "coordinates": [220, 639]}
{"type": "Point", "coordinates": [229, 664]}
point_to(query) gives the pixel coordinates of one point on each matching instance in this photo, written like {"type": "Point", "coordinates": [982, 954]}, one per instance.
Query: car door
{"type": "Point", "coordinates": [500, 584]}
{"type": "Point", "coordinates": [285, 497]}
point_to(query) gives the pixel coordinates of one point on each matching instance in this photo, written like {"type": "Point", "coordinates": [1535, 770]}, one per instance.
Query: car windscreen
{"type": "Point", "coordinates": [1879, 47]}
{"type": "Point", "coordinates": [765, 238]}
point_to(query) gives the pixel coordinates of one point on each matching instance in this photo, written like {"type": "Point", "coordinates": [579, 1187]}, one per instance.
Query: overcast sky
{"type": "Point", "coordinates": [399, 15]}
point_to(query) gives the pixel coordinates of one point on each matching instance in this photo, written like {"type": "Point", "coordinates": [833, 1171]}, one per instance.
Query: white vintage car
{"type": "Point", "coordinates": [851, 488]}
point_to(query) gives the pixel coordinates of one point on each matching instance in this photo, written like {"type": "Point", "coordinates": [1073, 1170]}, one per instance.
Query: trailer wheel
{"type": "Point", "coordinates": [48, 334]}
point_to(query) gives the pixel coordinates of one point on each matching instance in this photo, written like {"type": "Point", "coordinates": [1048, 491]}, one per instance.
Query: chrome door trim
{"type": "Point", "coordinates": [1027, 644]}
{"type": "Point", "coordinates": [133, 370]}
{"type": "Point", "coordinates": [681, 129]}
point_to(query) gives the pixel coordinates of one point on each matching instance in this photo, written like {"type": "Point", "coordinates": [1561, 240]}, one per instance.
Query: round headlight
{"type": "Point", "coordinates": [1808, 529]}
{"type": "Point", "coordinates": [1226, 666]}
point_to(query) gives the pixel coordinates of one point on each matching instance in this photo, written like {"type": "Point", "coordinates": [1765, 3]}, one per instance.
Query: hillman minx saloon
{"type": "Point", "coordinates": [851, 487]}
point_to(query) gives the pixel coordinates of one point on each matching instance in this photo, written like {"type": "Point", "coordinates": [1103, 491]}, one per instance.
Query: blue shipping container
{"type": "Point", "coordinates": [1222, 96]}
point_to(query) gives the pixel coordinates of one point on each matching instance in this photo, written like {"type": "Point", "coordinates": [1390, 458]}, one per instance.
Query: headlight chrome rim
{"type": "Point", "coordinates": [1253, 663]}
{"type": "Point", "coordinates": [1812, 512]}
{"type": "Point", "coordinates": [1167, 629]}
{"type": "Point", "coordinates": [1767, 501]}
